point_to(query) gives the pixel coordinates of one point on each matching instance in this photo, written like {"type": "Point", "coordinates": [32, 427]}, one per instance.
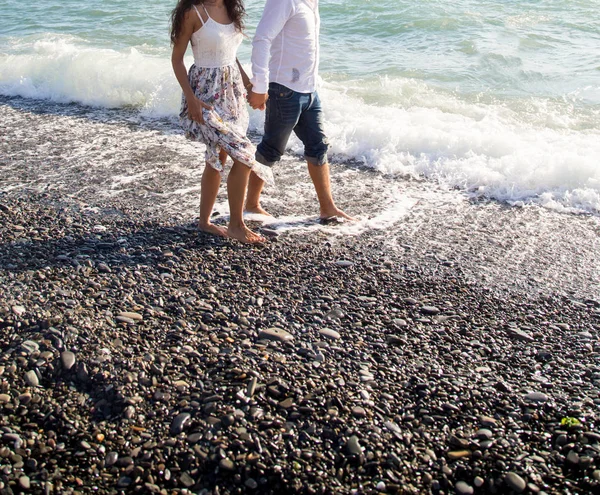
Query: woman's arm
{"type": "Point", "coordinates": [195, 106]}
{"type": "Point", "coordinates": [245, 78]}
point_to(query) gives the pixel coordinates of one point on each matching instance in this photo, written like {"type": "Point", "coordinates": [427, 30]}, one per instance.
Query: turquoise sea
{"type": "Point", "coordinates": [499, 99]}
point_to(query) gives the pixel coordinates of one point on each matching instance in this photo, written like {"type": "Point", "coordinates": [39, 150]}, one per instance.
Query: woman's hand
{"type": "Point", "coordinates": [195, 107]}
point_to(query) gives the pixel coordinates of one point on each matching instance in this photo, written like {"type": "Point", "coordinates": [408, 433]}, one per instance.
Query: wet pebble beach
{"type": "Point", "coordinates": [141, 356]}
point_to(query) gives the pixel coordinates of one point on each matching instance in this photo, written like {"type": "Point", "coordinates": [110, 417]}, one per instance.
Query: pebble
{"type": "Point", "coordinates": [430, 310]}
{"type": "Point", "coordinates": [463, 488]}
{"type": "Point", "coordinates": [111, 458]}
{"type": "Point", "coordinates": [515, 482]}
{"type": "Point", "coordinates": [251, 388]}
{"type": "Point", "coordinates": [24, 483]}
{"type": "Point", "coordinates": [330, 334]}
{"type": "Point", "coordinates": [520, 335]}
{"type": "Point", "coordinates": [186, 480]}
{"type": "Point", "coordinates": [353, 445]}
{"type": "Point", "coordinates": [29, 346]}
{"type": "Point", "coordinates": [179, 423]}
{"type": "Point", "coordinates": [537, 397]}
{"type": "Point", "coordinates": [359, 412]}
{"type": "Point", "coordinates": [67, 359]}
{"type": "Point", "coordinates": [32, 379]}
{"type": "Point", "coordinates": [483, 434]}
{"type": "Point", "coordinates": [276, 334]}
{"type": "Point", "coordinates": [458, 454]}
{"type": "Point", "coordinates": [251, 483]}
{"type": "Point", "coordinates": [131, 315]}
{"type": "Point", "coordinates": [573, 458]}
{"type": "Point", "coordinates": [487, 421]}
{"type": "Point", "coordinates": [18, 310]}
{"type": "Point", "coordinates": [227, 464]}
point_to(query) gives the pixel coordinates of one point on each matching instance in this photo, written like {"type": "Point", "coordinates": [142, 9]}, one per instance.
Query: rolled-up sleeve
{"type": "Point", "coordinates": [274, 18]}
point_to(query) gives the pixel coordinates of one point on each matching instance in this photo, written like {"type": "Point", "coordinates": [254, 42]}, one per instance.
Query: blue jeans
{"type": "Point", "coordinates": [288, 111]}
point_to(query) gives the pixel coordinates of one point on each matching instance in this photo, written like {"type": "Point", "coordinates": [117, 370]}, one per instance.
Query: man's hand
{"type": "Point", "coordinates": [257, 101]}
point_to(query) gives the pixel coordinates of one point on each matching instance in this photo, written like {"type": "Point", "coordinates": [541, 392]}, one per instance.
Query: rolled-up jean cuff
{"type": "Point", "coordinates": [261, 159]}
{"type": "Point", "coordinates": [317, 161]}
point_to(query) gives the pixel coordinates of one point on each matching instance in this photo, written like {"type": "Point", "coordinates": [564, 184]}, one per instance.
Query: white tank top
{"type": "Point", "coordinates": [215, 44]}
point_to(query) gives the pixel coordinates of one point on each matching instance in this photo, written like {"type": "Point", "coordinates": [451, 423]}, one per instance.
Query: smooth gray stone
{"type": "Point", "coordinates": [483, 434]}
{"type": "Point", "coordinates": [462, 488]}
{"type": "Point", "coordinates": [520, 335]}
{"type": "Point", "coordinates": [430, 310]}
{"type": "Point", "coordinates": [251, 483]}
{"type": "Point", "coordinates": [227, 464]}
{"type": "Point", "coordinates": [514, 481]}
{"type": "Point", "coordinates": [186, 480]}
{"type": "Point", "coordinates": [179, 423]}
{"type": "Point", "coordinates": [344, 263]}
{"type": "Point", "coordinates": [111, 458]}
{"type": "Point", "coordinates": [359, 412]}
{"type": "Point", "coordinates": [251, 386]}
{"type": "Point", "coordinates": [132, 316]}
{"type": "Point", "coordinates": [330, 334]}
{"type": "Point", "coordinates": [277, 334]}
{"type": "Point", "coordinates": [536, 397]}
{"type": "Point", "coordinates": [67, 359]}
{"type": "Point", "coordinates": [573, 458]}
{"type": "Point", "coordinates": [18, 310]}
{"type": "Point", "coordinates": [29, 346]}
{"type": "Point", "coordinates": [353, 445]}
{"type": "Point", "coordinates": [393, 427]}
{"type": "Point", "coordinates": [24, 483]}
{"type": "Point", "coordinates": [31, 378]}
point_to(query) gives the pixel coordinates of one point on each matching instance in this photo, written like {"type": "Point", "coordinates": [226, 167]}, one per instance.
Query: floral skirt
{"type": "Point", "coordinates": [225, 126]}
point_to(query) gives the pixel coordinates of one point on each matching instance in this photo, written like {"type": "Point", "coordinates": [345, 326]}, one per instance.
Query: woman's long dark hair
{"type": "Point", "coordinates": [235, 11]}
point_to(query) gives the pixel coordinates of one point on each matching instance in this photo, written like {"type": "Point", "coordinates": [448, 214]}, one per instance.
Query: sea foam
{"type": "Point", "coordinates": [519, 151]}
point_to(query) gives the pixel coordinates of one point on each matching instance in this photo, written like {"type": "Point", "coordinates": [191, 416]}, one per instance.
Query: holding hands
{"type": "Point", "coordinates": [256, 100]}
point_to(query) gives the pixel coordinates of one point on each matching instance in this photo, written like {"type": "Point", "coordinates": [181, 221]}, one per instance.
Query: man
{"type": "Point", "coordinates": [285, 61]}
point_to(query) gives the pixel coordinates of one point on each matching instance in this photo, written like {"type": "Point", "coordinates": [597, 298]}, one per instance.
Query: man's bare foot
{"type": "Point", "coordinates": [335, 213]}
{"type": "Point", "coordinates": [258, 210]}
{"type": "Point", "coordinates": [245, 235]}
{"type": "Point", "coordinates": [211, 228]}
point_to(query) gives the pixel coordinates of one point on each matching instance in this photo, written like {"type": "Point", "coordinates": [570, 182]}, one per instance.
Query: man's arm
{"type": "Point", "coordinates": [275, 15]}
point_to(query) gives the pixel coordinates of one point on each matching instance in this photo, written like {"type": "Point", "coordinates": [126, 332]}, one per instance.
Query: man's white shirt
{"type": "Point", "coordinates": [285, 48]}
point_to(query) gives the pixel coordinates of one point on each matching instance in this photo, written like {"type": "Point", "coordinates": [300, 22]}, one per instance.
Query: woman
{"type": "Point", "coordinates": [213, 109]}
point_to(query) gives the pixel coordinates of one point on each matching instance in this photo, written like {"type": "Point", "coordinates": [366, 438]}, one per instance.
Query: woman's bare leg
{"type": "Point", "coordinates": [211, 181]}
{"type": "Point", "coordinates": [237, 183]}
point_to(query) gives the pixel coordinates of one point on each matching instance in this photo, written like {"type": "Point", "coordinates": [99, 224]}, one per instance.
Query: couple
{"type": "Point", "coordinates": [285, 60]}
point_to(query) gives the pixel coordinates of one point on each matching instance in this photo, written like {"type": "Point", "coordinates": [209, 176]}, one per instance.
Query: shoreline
{"type": "Point", "coordinates": [139, 355]}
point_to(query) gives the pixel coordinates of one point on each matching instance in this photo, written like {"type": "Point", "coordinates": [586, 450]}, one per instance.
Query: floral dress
{"type": "Point", "coordinates": [216, 80]}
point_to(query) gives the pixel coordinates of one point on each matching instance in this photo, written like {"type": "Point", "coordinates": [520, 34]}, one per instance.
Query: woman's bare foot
{"type": "Point", "coordinates": [257, 209]}
{"type": "Point", "coordinates": [245, 235]}
{"type": "Point", "coordinates": [211, 228]}
{"type": "Point", "coordinates": [335, 213]}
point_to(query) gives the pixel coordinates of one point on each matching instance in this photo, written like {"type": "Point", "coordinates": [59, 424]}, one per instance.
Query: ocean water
{"type": "Point", "coordinates": [499, 100]}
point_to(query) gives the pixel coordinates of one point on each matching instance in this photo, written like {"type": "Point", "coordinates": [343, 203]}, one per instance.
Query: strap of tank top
{"type": "Point", "coordinates": [201, 20]}
{"type": "Point", "coordinates": [204, 7]}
